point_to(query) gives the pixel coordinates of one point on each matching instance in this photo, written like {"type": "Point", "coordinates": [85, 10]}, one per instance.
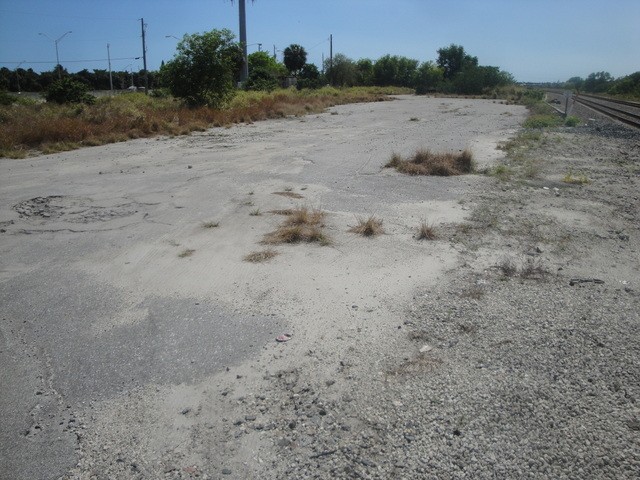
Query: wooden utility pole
{"type": "Point", "coordinates": [144, 60]}
{"type": "Point", "coordinates": [243, 41]}
{"type": "Point", "coordinates": [110, 77]}
{"type": "Point", "coordinates": [331, 59]}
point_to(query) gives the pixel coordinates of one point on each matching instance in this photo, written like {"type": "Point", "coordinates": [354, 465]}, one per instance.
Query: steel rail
{"type": "Point", "coordinates": [612, 100]}
{"type": "Point", "coordinates": [612, 112]}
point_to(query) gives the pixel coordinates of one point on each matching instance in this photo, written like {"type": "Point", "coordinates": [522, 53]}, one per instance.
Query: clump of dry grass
{"type": "Point", "coordinates": [187, 252]}
{"type": "Point", "coordinates": [210, 224]}
{"type": "Point", "coordinates": [260, 256]}
{"type": "Point", "coordinates": [368, 227]}
{"type": "Point", "coordinates": [302, 225]}
{"type": "Point", "coordinates": [426, 231]}
{"type": "Point", "coordinates": [531, 269]}
{"type": "Point", "coordinates": [425, 162]}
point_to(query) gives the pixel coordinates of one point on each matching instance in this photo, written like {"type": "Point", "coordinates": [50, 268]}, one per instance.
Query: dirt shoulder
{"type": "Point", "coordinates": [523, 361]}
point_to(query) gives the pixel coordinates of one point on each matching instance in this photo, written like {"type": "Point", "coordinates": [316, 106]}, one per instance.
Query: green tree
{"type": "Point", "coordinates": [343, 72]}
{"type": "Point", "coordinates": [395, 70]}
{"type": "Point", "coordinates": [364, 67]}
{"type": "Point", "coordinates": [598, 82]}
{"type": "Point", "coordinates": [428, 78]}
{"type": "Point", "coordinates": [309, 77]}
{"type": "Point", "coordinates": [453, 59]}
{"type": "Point", "coordinates": [385, 71]}
{"type": "Point", "coordinates": [629, 86]}
{"type": "Point", "coordinates": [574, 83]}
{"type": "Point", "coordinates": [295, 57]}
{"type": "Point", "coordinates": [204, 68]}
{"type": "Point", "coordinates": [265, 73]}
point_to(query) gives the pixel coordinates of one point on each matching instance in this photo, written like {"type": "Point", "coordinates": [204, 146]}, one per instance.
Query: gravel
{"type": "Point", "coordinates": [531, 371]}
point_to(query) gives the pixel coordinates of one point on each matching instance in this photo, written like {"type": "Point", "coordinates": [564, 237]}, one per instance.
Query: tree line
{"type": "Point", "coordinates": [205, 71]}
{"type": "Point", "coordinates": [26, 80]}
{"type": "Point", "coordinates": [603, 82]}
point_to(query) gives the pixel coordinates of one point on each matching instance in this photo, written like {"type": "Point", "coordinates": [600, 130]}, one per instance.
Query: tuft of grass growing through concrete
{"type": "Point", "coordinates": [502, 172]}
{"type": "Point", "coordinates": [260, 256]}
{"type": "Point", "coordinates": [255, 213]}
{"type": "Point", "coordinates": [425, 162]}
{"type": "Point", "coordinates": [368, 227]}
{"type": "Point", "coordinates": [531, 269]}
{"type": "Point", "coordinates": [302, 225]}
{"type": "Point", "coordinates": [210, 224]}
{"type": "Point", "coordinates": [575, 180]}
{"type": "Point", "coordinates": [187, 252]}
{"type": "Point", "coordinates": [426, 231]}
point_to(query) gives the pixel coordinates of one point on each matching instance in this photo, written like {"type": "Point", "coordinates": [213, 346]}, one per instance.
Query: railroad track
{"type": "Point", "coordinates": [621, 110]}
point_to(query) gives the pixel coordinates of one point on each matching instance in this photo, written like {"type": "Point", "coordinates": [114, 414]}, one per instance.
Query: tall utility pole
{"type": "Point", "coordinates": [274, 52]}
{"type": "Point", "coordinates": [18, 74]}
{"type": "Point", "coordinates": [144, 60]}
{"type": "Point", "coordinates": [243, 40]}
{"type": "Point", "coordinates": [110, 78]}
{"type": "Point", "coordinates": [56, 41]}
{"type": "Point", "coordinates": [331, 58]}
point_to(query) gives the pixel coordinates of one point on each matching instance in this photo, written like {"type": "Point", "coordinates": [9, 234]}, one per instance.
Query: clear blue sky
{"type": "Point", "coordinates": [535, 40]}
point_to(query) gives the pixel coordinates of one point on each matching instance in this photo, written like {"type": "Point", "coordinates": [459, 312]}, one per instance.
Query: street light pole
{"type": "Point", "coordinates": [55, 42]}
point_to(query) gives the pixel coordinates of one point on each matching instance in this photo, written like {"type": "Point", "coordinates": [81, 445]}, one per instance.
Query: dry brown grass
{"type": "Point", "coordinates": [52, 128]}
{"type": "Point", "coordinates": [211, 224]}
{"type": "Point", "coordinates": [426, 231]}
{"type": "Point", "coordinates": [260, 256]}
{"type": "Point", "coordinates": [425, 162]}
{"type": "Point", "coordinates": [368, 227]}
{"type": "Point", "coordinates": [302, 225]}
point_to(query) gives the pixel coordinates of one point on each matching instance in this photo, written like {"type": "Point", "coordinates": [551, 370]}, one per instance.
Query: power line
{"type": "Point", "coordinates": [73, 61]}
{"type": "Point", "coordinates": [40, 14]}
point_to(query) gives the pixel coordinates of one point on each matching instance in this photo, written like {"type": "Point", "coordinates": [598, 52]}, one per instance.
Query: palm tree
{"type": "Point", "coordinates": [244, 74]}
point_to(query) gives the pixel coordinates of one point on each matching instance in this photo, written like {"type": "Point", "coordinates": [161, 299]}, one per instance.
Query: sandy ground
{"type": "Point", "coordinates": [123, 359]}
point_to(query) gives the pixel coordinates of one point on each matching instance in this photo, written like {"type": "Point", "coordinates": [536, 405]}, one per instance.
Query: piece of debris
{"type": "Point", "coordinates": [285, 337]}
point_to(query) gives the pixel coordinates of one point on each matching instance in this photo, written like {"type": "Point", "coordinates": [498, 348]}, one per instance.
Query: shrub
{"type": "Point", "coordinates": [572, 121]}
{"type": "Point", "coordinates": [203, 70]}
{"type": "Point", "coordinates": [67, 90]}
{"type": "Point", "coordinates": [6, 98]}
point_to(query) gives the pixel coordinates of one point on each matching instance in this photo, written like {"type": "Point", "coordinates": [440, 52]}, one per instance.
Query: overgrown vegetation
{"type": "Point", "coordinates": [29, 126]}
{"type": "Point", "coordinates": [425, 162]}
{"type": "Point", "coordinates": [604, 83]}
